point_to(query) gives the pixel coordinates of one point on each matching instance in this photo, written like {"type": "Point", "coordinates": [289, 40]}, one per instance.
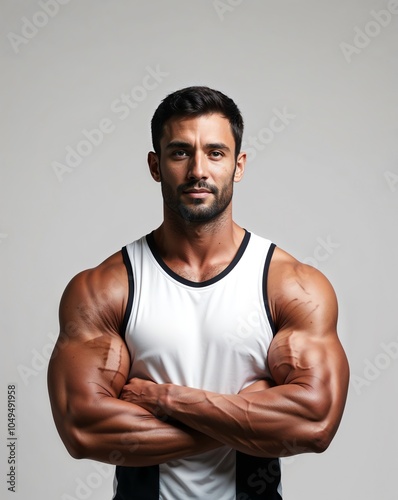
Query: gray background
{"type": "Point", "coordinates": [324, 187]}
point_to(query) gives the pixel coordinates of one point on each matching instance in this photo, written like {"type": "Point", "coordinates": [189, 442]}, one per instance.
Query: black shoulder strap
{"type": "Point", "coordinates": [265, 288]}
{"type": "Point", "coordinates": [127, 263]}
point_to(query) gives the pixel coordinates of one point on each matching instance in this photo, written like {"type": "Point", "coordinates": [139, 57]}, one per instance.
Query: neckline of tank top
{"type": "Point", "coordinates": [198, 284]}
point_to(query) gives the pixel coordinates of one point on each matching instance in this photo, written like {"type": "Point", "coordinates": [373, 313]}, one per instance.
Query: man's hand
{"type": "Point", "coordinates": [151, 396]}
{"type": "Point", "coordinates": [144, 393]}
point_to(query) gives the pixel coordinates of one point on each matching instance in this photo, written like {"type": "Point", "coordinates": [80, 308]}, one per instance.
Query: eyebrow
{"type": "Point", "coordinates": [217, 145]}
{"type": "Point", "coordinates": [211, 145]}
{"type": "Point", "coordinates": [178, 144]}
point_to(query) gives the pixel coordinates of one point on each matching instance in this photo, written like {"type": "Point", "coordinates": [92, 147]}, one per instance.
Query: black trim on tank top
{"type": "Point", "coordinates": [127, 263]}
{"type": "Point", "coordinates": [241, 250]}
{"type": "Point", "coordinates": [265, 289]}
{"type": "Point", "coordinates": [138, 483]}
{"type": "Point", "coordinates": [257, 477]}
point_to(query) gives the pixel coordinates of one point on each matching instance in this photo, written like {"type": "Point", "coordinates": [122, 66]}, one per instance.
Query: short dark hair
{"type": "Point", "coordinates": [196, 101]}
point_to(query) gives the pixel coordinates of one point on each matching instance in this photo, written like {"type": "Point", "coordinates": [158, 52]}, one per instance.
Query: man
{"type": "Point", "coordinates": [198, 355]}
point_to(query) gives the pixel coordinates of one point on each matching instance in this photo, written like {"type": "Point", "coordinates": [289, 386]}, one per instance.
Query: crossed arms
{"type": "Point", "coordinates": [102, 415]}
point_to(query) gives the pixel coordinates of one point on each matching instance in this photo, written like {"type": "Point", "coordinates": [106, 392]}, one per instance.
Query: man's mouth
{"type": "Point", "coordinates": [197, 193]}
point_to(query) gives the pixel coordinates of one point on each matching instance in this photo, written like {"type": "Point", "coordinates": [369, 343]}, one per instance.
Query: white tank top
{"type": "Point", "coordinates": [213, 335]}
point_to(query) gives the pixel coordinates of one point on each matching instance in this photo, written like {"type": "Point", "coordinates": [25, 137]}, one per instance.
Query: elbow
{"type": "Point", "coordinates": [75, 443]}
{"type": "Point", "coordinates": [76, 451]}
{"type": "Point", "coordinates": [320, 438]}
{"type": "Point", "coordinates": [321, 427]}
{"type": "Point", "coordinates": [74, 430]}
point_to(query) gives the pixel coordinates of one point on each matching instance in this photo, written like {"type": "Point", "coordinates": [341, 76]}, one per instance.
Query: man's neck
{"type": "Point", "coordinates": [198, 251]}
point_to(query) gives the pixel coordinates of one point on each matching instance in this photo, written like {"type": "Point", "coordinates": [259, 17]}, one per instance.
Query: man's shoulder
{"type": "Point", "coordinates": [301, 299]}
{"type": "Point", "coordinates": [285, 263]}
{"type": "Point", "coordinates": [290, 279]}
{"type": "Point", "coordinates": [111, 268]}
{"type": "Point", "coordinates": [103, 286]}
{"type": "Point", "coordinates": [111, 273]}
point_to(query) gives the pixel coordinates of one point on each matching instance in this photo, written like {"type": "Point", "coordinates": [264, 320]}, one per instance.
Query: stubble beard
{"type": "Point", "coordinates": [197, 211]}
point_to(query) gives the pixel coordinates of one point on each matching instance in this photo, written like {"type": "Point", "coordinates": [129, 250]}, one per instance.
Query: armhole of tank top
{"type": "Point", "coordinates": [127, 263]}
{"type": "Point", "coordinates": [265, 287]}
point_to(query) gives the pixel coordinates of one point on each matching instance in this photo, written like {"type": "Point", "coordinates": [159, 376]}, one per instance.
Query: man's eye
{"type": "Point", "coordinates": [180, 153]}
{"type": "Point", "coordinates": [216, 154]}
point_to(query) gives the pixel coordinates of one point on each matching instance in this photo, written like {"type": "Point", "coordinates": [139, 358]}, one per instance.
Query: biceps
{"type": "Point", "coordinates": [294, 356]}
{"type": "Point", "coordinates": [81, 373]}
{"type": "Point", "coordinates": [314, 367]}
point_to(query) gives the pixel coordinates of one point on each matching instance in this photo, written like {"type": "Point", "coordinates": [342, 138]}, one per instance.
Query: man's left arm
{"type": "Point", "coordinates": [302, 412]}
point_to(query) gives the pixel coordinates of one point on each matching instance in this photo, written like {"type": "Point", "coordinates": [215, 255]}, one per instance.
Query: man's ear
{"type": "Point", "coordinates": [154, 166]}
{"type": "Point", "coordinates": [240, 166]}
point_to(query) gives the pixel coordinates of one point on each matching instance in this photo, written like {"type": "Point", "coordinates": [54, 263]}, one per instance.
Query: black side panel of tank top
{"type": "Point", "coordinates": [265, 289]}
{"type": "Point", "coordinates": [127, 263]}
{"type": "Point", "coordinates": [257, 478]}
{"type": "Point", "coordinates": [137, 483]}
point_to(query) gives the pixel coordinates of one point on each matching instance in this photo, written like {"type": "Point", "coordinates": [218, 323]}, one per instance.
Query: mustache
{"type": "Point", "coordinates": [197, 185]}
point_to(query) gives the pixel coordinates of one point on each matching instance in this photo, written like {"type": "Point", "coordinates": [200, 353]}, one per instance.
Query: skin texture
{"type": "Point", "coordinates": [102, 415]}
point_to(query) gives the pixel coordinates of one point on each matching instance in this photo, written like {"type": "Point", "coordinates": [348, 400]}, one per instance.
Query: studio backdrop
{"type": "Point", "coordinates": [316, 82]}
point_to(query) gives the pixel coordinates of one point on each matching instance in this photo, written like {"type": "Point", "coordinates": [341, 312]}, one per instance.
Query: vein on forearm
{"type": "Point", "coordinates": [258, 423]}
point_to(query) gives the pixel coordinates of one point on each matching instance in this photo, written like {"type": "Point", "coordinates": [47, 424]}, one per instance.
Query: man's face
{"type": "Point", "coordinates": [197, 166]}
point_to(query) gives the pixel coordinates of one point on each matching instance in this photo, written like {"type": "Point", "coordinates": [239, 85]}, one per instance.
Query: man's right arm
{"type": "Point", "coordinates": [88, 369]}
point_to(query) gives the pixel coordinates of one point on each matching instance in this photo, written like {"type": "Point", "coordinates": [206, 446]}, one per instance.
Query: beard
{"type": "Point", "coordinates": [197, 210]}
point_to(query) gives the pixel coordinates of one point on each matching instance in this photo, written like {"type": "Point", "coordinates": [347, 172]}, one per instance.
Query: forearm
{"type": "Point", "coordinates": [280, 421]}
{"type": "Point", "coordinates": [121, 433]}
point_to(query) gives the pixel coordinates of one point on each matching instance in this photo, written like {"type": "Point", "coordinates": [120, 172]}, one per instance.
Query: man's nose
{"type": "Point", "coordinates": [198, 166]}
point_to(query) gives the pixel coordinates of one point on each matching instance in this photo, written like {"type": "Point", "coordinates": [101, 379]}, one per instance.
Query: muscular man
{"type": "Point", "coordinates": [201, 353]}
